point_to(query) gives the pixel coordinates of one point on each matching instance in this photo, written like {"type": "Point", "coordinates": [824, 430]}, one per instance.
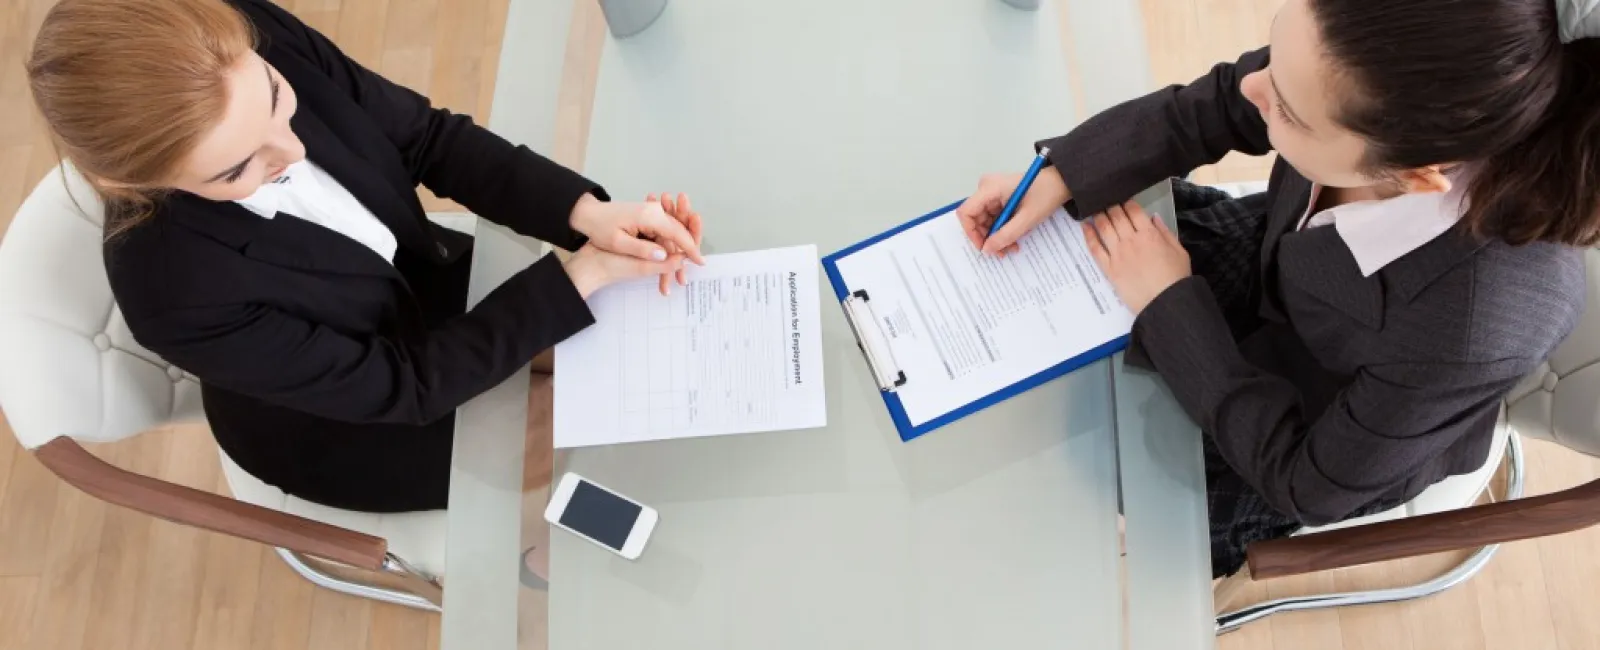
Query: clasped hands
{"type": "Point", "coordinates": [630, 240]}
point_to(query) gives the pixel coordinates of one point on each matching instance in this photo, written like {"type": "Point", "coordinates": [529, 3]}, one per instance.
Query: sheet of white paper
{"type": "Point", "coordinates": [963, 326]}
{"type": "Point", "coordinates": [739, 350]}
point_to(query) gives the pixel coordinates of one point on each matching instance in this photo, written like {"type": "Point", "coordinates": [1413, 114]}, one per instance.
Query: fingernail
{"type": "Point", "coordinates": [658, 255]}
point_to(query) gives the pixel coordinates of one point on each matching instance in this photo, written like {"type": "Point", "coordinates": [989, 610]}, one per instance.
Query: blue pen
{"type": "Point", "coordinates": [1022, 190]}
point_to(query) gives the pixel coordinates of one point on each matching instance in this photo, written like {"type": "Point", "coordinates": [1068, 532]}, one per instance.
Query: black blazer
{"type": "Point", "coordinates": [294, 329]}
{"type": "Point", "coordinates": [1357, 388]}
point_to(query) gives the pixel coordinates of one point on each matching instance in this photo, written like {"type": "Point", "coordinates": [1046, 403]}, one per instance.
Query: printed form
{"type": "Point", "coordinates": [739, 350]}
{"type": "Point", "coordinates": [963, 326]}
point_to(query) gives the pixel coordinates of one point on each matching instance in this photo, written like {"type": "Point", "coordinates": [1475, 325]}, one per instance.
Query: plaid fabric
{"type": "Point", "coordinates": [1223, 236]}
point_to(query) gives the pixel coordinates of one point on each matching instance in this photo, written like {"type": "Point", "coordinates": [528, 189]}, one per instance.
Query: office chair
{"type": "Point", "coordinates": [73, 372]}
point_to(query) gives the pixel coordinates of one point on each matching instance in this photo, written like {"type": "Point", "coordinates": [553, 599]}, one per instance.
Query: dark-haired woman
{"type": "Point", "coordinates": [1344, 339]}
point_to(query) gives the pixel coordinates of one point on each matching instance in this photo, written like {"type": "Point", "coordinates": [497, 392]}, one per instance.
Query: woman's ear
{"type": "Point", "coordinates": [1425, 180]}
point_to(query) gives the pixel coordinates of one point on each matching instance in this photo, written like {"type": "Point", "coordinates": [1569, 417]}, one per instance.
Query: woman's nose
{"type": "Point", "coordinates": [288, 147]}
{"type": "Point", "coordinates": [1253, 86]}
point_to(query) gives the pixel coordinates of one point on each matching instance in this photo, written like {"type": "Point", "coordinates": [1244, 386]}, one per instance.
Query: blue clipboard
{"type": "Point", "coordinates": [897, 412]}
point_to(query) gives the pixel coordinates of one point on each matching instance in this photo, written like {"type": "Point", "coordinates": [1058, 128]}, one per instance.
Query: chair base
{"type": "Point", "coordinates": [411, 589]}
{"type": "Point", "coordinates": [1461, 573]}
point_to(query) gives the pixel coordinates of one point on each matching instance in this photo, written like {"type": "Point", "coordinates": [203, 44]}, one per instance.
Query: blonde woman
{"type": "Point", "coordinates": [264, 234]}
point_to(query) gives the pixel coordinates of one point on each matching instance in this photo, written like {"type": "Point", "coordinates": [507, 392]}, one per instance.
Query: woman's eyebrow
{"type": "Point", "coordinates": [272, 83]}
{"type": "Point", "coordinates": [232, 171]}
{"type": "Point", "coordinates": [1285, 104]}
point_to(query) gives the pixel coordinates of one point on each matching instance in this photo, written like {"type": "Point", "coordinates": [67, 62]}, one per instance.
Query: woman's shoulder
{"type": "Point", "coordinates": [157, 264]}
{"type": "Point", "coordinates": [1528, 298]}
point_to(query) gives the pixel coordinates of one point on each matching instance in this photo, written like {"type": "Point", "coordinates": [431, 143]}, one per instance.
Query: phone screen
{"type": "Point", "coordinates": [600, 515]}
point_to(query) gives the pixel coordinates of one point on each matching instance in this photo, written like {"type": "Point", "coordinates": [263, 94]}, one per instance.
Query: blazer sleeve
{"type": "Point", "coordinates": [296, 363]}
{"type": "Point", "coordinates": [1378, 431]}
{"type": "Point", "coordinates": [1170, 132]}
{"type": "Point", "coordinates": [445, 152]}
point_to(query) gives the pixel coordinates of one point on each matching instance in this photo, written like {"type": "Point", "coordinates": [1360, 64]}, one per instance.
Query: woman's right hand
{"type": "Point", "coordinates": [979, 211]}
{"type": "Point", "coordinates": [592, 269]}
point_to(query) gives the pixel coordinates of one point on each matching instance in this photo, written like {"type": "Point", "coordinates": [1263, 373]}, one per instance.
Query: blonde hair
{"type": "Point", "coordinates": [128, 88]}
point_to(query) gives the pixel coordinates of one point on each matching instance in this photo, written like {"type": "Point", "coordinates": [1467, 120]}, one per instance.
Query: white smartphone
{"type": "Point", "coordinates": [589, 510]}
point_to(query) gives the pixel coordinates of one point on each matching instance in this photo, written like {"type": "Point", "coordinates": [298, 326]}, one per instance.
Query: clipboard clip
{"type": "Point", "coordinates": [866, 327]}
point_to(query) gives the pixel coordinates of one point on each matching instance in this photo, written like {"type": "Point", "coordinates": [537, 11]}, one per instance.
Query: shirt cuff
{"type": "Point", "coordinates": [559, 297]}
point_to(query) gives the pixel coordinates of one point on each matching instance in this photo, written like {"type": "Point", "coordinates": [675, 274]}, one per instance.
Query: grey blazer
{"type": "Point", "coordinates": [1357, 388]}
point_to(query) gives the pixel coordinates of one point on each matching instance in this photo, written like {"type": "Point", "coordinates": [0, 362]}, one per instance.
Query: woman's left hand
{"type": "Point", "coordinates": [678, 207]}
{"type": "Point", "coordinates": [642, 230]}
{"type": "Point", "coordinates": [1137, 252]}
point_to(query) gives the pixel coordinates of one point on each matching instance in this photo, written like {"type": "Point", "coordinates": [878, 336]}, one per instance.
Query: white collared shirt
{"type": "Point", "coordinates": [1380, 232]}
{"type": "Point", "coordinates": [307, 192]}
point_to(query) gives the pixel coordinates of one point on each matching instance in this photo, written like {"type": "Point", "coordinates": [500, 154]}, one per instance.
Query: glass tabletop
{"type": "Point", "coordinates": [825, 122]}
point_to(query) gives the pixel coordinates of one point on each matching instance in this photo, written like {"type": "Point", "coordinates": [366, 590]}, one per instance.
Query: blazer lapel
{"type": "Point", "coordinates": [1289, 195]}
{"type": "Point", "coordinates": [1412, 273]}
{"type": "Point", "coordinates": [363, 180]}
{"type": "Point", "coordinates": [282, 241]}
{"type": "Point", "coordinates": [1316, 261]}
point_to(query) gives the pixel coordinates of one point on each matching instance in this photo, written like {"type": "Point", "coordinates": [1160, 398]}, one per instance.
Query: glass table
{"type": "Point", "coordinates": [824, 122]}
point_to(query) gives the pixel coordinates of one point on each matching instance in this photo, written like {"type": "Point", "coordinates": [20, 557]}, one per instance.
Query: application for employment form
{"type": "Point", "coordinates": [739, 350]}
{"type": "Point", "coordinates": [963, 326]}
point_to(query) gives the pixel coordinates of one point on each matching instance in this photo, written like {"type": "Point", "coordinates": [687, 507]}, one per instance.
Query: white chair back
{"type": "Point", "coordinates": [71, 368]}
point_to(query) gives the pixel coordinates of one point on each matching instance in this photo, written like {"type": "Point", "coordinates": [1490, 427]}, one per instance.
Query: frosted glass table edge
{"type": "Point", "coordinates": [1164, 502]}
{"type": "Point", "coordinates": [484, 527]}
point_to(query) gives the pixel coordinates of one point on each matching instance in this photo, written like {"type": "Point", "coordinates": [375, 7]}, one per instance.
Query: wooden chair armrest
{"type": "Point", "coordinates": [1477, 526]}
{"type": "Point", "coordinates": [192, 507]}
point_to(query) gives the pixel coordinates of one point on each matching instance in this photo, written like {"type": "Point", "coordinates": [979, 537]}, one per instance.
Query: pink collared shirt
{"type": "Point", "coordinates": [1380, 232]}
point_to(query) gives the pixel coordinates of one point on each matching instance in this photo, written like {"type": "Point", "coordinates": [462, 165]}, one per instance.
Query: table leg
{"type": "Point", "coordinates": [629, 17]}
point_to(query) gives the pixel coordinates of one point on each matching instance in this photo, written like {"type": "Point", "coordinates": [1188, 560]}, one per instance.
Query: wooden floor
{"type": "Point", "coordinates": [78, 575]}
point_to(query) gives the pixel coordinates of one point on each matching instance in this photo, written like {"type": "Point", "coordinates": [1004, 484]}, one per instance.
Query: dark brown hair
{"type": "Point", "coordinates": [128, 88]}
{"type": "Point", "coordinates": [1482, 82]}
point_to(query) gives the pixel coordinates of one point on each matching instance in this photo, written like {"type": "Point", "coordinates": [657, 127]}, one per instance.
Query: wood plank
{"type": "Point", "coordinates": [1370, 628]}
{"type": "Point", "coordinates": [26, 514]}
{"type": "Point", "coordinates": [435, 632]}
{"type": "Point", "coordinates": [175, 563]}
{"type": "Point", "coordinates": [42, 160]}
{"type": "Point", "coordinates": [457, 71]}
{"type": "Point", "coordinates": [282, 620]}
{"type": "Point", "coordinates": [62, 613]}
{"type": "Point", "coordinates": [16, 181]}
{"type": "Point", "coordinates": [398, 628]}
{"type": "Point", "coordinates": [9, 447]}
{"type": "Point", "coordinates": [359, 32]}
{"type": "Point", "coordinates": [1312, 630]}
{"type": "Point", "coordinates": [408, 44]}
{"type": "Point", "coordinates": [124, 548]}
{"type": "Point", "coordinates": [1444, 621]}
{"type": "Point", "coordinates": [579, 75]}
{"type": "Point", "coordinates": [338, 622]}
{"type": "Point", "coordinates": [458, 56]}
{"type": "Point", "coordinates": [16, 38]}
{"type": "Point", "coordinates": [493, 30]}
{"type": "Point", "coordinates": [231, 580]}
{"type": "Point", "coordinates": [1257, 636]}
{"type": "Point", "coordinates": [228, 591]}
{"type": "Point", "coordinates": [18, 595]}
{"type": "Point", "coordinates": [1571, 562]}
{"type": "Point", "coordinates": [321, 15]}
{"type": "Point", "coordinates": [1513, 602]}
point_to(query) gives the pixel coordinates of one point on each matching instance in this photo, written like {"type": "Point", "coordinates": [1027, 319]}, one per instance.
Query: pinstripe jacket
{"type": "Point", "coordinates": [1356, 388]}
